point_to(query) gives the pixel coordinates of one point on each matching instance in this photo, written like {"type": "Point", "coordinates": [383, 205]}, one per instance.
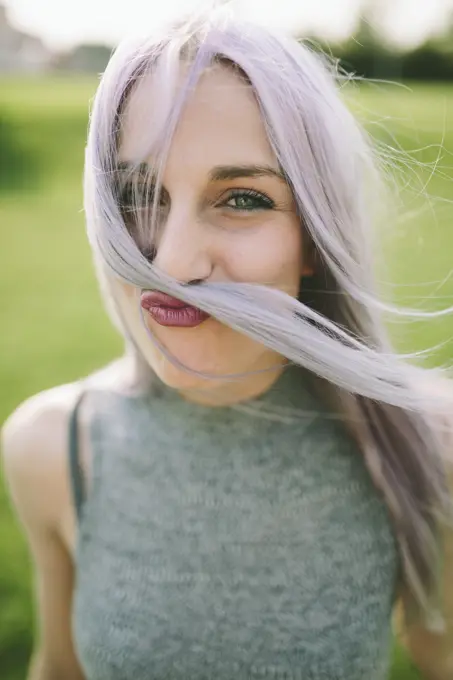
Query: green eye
{"type": "Point", "coordinates": [249, 200]}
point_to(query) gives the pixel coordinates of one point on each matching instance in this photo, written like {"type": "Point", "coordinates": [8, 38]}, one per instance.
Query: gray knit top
{"type": "Point", "coordinates": [229, 543]}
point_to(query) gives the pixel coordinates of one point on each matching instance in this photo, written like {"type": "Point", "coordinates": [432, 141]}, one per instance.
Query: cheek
{"type": "Point", "coordinates": [271, 255]}
{"type": "Point", "coordinates": [129, 291]}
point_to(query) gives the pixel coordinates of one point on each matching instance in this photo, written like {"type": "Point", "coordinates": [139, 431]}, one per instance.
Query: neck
{"type": "Point", "coordinates": [222, 393]}
{"type": "Point", "coordinates": [214, 393]}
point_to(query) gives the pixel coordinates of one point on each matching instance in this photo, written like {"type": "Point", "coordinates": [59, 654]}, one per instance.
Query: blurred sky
{"type": "Point", "coordinates": [64, 23]}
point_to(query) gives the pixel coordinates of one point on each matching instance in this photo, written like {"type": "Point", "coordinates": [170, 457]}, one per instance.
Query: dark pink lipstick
{"type": "Point", "coordinates": [169, 311]}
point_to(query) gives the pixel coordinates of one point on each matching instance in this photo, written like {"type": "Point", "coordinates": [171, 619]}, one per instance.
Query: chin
{"type": "Point", "coordinates": [175, 377]}
{"type": "Point", "coordinates": [199, 349]}
{"type": "Point", "coordinates": [179, 379]}
{"type": "Point", "coordinates": [192, 356]}
{"type": "Point", "coordinates": [211, 349]}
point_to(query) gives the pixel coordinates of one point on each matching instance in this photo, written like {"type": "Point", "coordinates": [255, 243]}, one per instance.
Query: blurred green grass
{"type": "Point", "coordinates": [53, 326]}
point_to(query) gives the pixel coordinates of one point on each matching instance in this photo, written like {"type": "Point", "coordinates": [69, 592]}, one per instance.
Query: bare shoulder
{"type": "Point", "coordinates": [38, 417]}
{"type": "Point", "coordinates": [34, 451]}
{"type": "Point", "coordinates": [34, 437]}
{"type": "Point", "coordinates": [34, 443]}
{"type": "Point", "coordinates": [35, 431]}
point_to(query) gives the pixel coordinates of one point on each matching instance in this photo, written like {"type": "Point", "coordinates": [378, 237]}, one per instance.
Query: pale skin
{"type": "Point", "coordinates": [208, 237]}
{"type": "Point", "coordinates": [205, 237]}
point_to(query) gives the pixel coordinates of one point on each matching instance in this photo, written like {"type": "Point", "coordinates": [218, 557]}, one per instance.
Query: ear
{"type": "Point", "coordinates": [308, 269]}
{"type": "Point", "coordinates": [309, 262]}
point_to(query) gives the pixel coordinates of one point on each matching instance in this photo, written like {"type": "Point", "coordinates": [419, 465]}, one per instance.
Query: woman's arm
{"type": "Point", "coordinates": [54, 657]}
{"type": "Point", "coordinates": [34, 454]}
{"type": "Point", "coordinates": [431, 650]}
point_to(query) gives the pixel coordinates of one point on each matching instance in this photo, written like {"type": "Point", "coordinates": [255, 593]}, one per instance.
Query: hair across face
{"type": "Point", "coordinates": [225, 213]}
{"type": "Point", "coordinates": [296, 121]}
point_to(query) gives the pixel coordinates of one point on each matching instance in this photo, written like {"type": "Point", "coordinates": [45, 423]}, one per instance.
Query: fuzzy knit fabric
{"type": "Point", "coordinates": [229, 543]}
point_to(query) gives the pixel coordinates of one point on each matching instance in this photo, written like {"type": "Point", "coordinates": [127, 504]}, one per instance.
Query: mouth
{"type": "Point", "coordinates": [169, 311]}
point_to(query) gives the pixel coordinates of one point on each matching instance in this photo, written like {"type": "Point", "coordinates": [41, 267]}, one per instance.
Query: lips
{"type": "Point", "coordinates": [169, 311]}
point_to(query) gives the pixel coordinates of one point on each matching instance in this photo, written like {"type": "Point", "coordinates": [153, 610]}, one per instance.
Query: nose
{"type": "Point", "coordinates": [183, 248]}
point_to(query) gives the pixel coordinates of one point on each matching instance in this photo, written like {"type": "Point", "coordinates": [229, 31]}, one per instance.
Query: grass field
{"type": "Point", "coordinates": [53, 326]}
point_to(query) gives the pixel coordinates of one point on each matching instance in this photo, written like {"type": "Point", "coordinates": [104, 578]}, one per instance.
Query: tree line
{"type": "Point", "coordinates": [366, 54]}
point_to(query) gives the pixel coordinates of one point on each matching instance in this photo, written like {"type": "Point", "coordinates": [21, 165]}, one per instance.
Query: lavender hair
{"type": "Point", "coordinates": [338, 332]}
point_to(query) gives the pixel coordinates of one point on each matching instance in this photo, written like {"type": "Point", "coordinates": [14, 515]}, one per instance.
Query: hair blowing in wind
{"type": "Point", "coordinates": [341, 337]}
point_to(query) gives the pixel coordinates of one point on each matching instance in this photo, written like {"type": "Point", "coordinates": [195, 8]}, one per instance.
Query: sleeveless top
{"type": "Point", "coordinates": [229, 543]}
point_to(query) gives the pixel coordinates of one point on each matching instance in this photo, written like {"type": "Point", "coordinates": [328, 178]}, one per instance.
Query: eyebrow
{"type": "Point", "coordinates": [220, 173]}
{"type": "Point", "coordinates": [227, 172]}
{"type": "Point", "coordinates": [125, 168]}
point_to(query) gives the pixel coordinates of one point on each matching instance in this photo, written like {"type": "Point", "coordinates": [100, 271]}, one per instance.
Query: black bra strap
{"type": "Point", "coordinates": [75, 469]}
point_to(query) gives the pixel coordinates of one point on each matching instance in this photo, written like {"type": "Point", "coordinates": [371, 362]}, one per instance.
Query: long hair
{"type": "Point", "coordinates": [336, 330]}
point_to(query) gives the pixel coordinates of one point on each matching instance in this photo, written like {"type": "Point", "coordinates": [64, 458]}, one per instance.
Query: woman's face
{"type": "Point", "coordinates": [228, 215]}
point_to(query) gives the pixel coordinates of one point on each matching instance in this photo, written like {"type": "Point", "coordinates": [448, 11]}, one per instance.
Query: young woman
{"type": "Point", "coordinates": [256, 485]}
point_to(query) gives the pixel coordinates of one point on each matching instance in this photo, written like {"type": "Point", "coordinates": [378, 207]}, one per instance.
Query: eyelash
{"type": "Point", "coordinates": [132, 197]}
{"type": "Point", "coordinates": [264, 202]}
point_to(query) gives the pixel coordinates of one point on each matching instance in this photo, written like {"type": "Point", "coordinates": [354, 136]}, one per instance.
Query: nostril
{"type": "Point", "coordinates": [149, 253]}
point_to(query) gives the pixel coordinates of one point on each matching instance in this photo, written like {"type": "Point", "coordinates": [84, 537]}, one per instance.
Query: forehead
{"type": "Point", "coordinates": [220, 121]}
